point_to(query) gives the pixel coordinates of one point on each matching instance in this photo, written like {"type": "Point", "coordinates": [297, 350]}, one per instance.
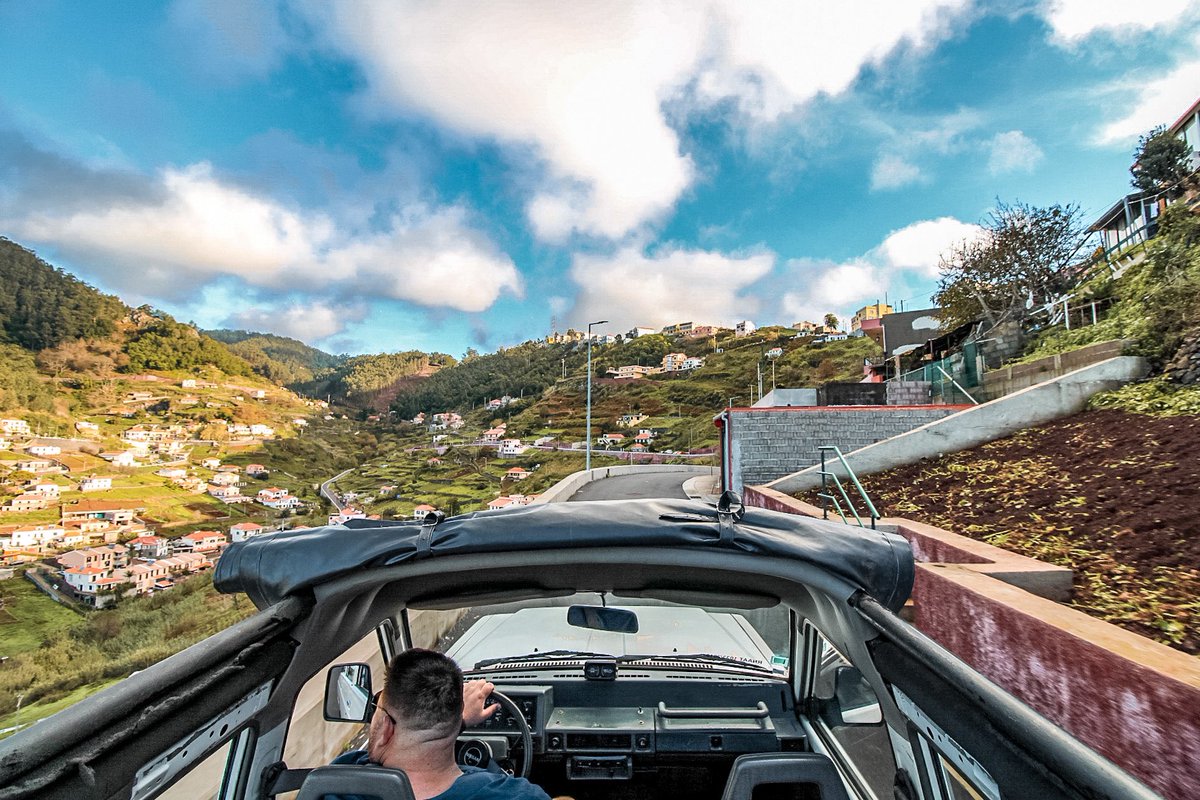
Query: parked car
{"type": "Point", "coordinates": [639, 649]}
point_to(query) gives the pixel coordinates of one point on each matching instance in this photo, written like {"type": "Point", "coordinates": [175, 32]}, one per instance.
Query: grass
{"type": "Point", "coordinates": [40, 710]}
{"type": "Point", "coordinates": [36, 617]}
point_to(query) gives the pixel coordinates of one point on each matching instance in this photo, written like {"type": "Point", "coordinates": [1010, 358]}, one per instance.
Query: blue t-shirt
{"type": "Point", "coordinates": [474, 784]}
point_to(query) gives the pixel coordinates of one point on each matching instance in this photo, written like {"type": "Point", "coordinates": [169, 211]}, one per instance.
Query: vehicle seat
{"type": "Point", "coordinates": [784, 775]}
{"type": "Point", "coordinates": [344, 780]}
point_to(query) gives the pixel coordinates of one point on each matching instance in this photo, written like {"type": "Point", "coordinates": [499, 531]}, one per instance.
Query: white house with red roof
{"type": "Point", "coordinates": [245, 530]}
{"type": "Point", "coordinates": [420, 511]}
{"type": "Point", "coordinates": [517, 474]}
{"type": "Point", "coordinates": [199, 542]}
{"type": "Point", "coordinates": [493, 434]}
{"type": "Point", "coordinates": [500, 503]}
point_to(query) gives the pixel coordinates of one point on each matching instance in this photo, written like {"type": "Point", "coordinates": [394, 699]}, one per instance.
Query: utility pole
{"type": "Point", "coordinates": [588, 464]}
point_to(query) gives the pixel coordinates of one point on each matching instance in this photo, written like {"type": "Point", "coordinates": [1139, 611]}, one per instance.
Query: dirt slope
{"type": "Point", "coordinates": [1114, 495]}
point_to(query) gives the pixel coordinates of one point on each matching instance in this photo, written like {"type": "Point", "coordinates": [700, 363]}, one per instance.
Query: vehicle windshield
{"type": "Point", "coordinates": [669, 634]}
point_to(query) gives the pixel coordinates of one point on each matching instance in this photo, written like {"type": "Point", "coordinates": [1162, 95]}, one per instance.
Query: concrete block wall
{"type": "Point", "coordinates": [765, 444]}
{"type": "Point", "coordinates": [908, 393]}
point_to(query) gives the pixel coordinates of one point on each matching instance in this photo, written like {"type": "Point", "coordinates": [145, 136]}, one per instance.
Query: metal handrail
{"type": "Point", "coordinates": [853, 478]}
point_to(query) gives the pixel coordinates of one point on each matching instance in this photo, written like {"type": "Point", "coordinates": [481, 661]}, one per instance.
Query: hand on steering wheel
{"type": "Point", "coordinates": [475, 752]}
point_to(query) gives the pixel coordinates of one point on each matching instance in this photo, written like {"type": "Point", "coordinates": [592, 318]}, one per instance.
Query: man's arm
{"type": "Point", "coordinates": [475, 694]}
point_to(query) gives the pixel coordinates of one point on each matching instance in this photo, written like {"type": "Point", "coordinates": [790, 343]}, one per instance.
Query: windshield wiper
{"type": "Point", "coordinates": [547, 655]}
{"type": "Point", "coordinates": [705, 658]}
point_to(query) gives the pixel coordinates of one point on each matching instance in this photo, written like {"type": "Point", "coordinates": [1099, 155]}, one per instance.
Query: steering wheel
{"type": "Point", "coordinates": [473, 752]}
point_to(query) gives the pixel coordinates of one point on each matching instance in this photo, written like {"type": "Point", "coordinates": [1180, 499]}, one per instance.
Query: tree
{"type": "Point", "coordinates": [1161, 161]}
{"type": "Point", "coordinates": [831, 321]}
{"type": "Point", "coordinates": [1015, 264]}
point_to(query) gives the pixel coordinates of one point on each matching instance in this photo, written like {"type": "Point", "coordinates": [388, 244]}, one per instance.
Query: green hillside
{"type": "Point", "coordinates": [280, 359]}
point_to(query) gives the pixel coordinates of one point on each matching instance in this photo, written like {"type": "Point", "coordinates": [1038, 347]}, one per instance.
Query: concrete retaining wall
{"type": "Point", "coordinates": [562, 490]}
{"type": "Point", "coordinates": [1044, 402]}
{"type": "Point", "coordinates": [1007, 380]}
{"type": "Point", "coordinates": [1129, 698]}
{"type": "Point", "coordinates": [767, 443]}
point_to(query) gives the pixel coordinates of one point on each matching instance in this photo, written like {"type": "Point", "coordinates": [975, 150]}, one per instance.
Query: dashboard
{"type": "Point", "coordinates": [609, 729]}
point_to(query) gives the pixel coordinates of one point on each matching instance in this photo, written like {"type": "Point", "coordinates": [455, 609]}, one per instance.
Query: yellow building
{"type": "Point", "coordinates": [869, 312]}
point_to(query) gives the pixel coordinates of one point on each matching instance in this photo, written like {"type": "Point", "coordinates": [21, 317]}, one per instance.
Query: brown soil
{"type": "Point", "coordinates": [1111, 494]}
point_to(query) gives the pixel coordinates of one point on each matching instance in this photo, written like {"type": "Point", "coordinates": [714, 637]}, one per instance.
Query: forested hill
{"type": "Point", "coordinates": [283, 360]}
{"type": "Point", "coordinates": [42, 306]}
{"type": "Point", "coordinates": [374, 381]}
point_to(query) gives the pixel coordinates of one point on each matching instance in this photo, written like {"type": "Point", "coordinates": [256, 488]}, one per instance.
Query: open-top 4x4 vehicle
{"type": "Point", "coordinates": [638, 648]}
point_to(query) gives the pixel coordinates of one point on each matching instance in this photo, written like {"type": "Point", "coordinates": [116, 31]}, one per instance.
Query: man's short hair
{"type": "Point", "coordinates": [425, 690]}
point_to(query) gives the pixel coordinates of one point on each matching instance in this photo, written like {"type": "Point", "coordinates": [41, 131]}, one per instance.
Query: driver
{"type": "Point", "coordinates": [419, 714]}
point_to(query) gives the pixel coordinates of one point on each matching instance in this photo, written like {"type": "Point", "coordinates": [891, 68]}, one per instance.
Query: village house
{"type": "Point", "coordinates": [420, 511]}
{"type": "Point", "coordinates": [257, 471]}
{"type": "Point", "coordinates": [542, 441]}
{"type": "Point", "coordinates": [95, 483]}
{"type": "Point", "coordinates": [117, 512]}
{"type": "Point", "coordinates": [638, 448]}
{"type": "Point", "coordinates": [37, 466]}
{"type": "Point", "coordinates": [517, 474]}
{"type": "Point", "coordinates": [149, 546]}
{"type": "Point", "coordinates": [109, 557]}
{"type": "Point", "coordinates": [633, 371]}
{"type": "Point", "coordinates": [90, 528]}
{"type": "Point", "coordinates": [277, 498]}
{"type": "Point", "coordinates": [498, 403]}
{"type": "Point", "coordinates": [511, 447]}
{"type": "Point", "coordinates": [29, 501]}
{"type": "Point", "coordinates": [500, 503]}
{"type": "Point", "coordinates": [199, 542]}
{"type": "Point", "coordinates": [672, 362]}
{"type": "Point", "coordinates": [233, 468]}
{"type": "Point", "coordinates": [225, 479]}
{"type": "Point", "coordinates": [446, 419]}
{"type": "Point", "coordinates": [245, 530]}
{"type": "Point", "coordinates": [644, 438]}
{"type": "Point", "coordinates": [188, 383]}
{"type": "Point", "coordinates": [227, 493]}
{"type": "Point", "coordinates": [744, 328]}
{"type": "Point", "coordinates": [631, 419]}
{"type": "Point", "coordinates": [211, 463]}
{"type": "Point", "coordinates": [300, 422]}
{"type": "Point", "coordinates": [172, 472]}
{"type": "Point", "coordinates": [493, 434]}
{"type": "Point", "coordinates": [44, 450]}
{"type": "Point", "coordinates": [121, 458]}
{"type": "Point", "coordinates": [346, 514]}
{"type": "Point", "coordinates": [30, 536]}
{"type": "Point", "coordinates": [609, 439]}
{"type": "Point", "coordinates": [265, 431]}
{"type": "Point", "coordinates": [46, 488]}
{"type": "Point", "coordinates": [17, 427]}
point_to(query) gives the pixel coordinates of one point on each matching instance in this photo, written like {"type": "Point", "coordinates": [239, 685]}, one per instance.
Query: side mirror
{"type": "Point", "coordinates": [348, 693]}
{"type": "Point", "coordinates": [856, 703]}
{"type": "Point", "coordinates": [602, 618]}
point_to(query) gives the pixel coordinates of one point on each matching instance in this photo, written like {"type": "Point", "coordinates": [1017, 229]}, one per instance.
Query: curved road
{"type": "Point", "coordinates": [635, 487]}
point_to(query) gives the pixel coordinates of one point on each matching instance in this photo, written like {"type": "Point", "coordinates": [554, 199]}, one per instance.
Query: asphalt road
{"type": "Point", "coordinates": [635, 487]}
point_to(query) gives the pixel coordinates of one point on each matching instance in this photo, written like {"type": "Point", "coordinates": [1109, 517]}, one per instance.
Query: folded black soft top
{"type": "Point", "coordinates": [271, 567]}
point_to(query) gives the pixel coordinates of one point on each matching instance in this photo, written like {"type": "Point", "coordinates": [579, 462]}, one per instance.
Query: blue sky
{"type": "Point", "coordinates": [384, 175]}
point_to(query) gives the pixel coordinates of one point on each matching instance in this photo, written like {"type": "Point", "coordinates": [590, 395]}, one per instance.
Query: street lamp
{"type": "Point", "coordinates": [588, 464]}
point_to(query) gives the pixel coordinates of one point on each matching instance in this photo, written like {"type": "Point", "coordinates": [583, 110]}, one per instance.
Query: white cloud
{"type": "Point", "coordinates": [205, 230]}
{"type": "Point", "coordinates": [1158, 102]}
{"type": "Point", "coordinates": [1074, 20]}
{"type": "Point", "coordinates": [1012, 151]}
{"type": "Point", "coordinates": [906, 260]}
{"type": "Point", "coordinates": [893, 172]}
{"type": "Point", "coordinates": [920, 245]}
{"type": "Point", "coordinates": [585, 82]}
{"type": "Point", "coordinates": [308, 322]}
{"type": "Point", "coordinates": [631, 288]}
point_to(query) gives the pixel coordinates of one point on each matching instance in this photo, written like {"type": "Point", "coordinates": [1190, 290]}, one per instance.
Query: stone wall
{"type": "Point", "coordinates": [1185, 366]}
{"type": "Point", "coordinates": [760, 445]}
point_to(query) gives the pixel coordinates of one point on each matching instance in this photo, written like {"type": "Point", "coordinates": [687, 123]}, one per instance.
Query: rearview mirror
{"type": "Point", "coordinates": [348, 693]}
{"type": "Point", "coordinates": [602, 618]}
